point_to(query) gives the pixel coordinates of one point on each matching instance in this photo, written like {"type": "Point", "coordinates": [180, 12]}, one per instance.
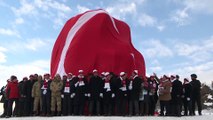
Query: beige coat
{"type": "Point", "coordinates": [165, 91]}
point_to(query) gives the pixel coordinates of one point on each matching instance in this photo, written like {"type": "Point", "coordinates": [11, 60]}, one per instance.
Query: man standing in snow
{"type": "Point", "coordinates": [56, 87]}
{"type": "Point", "coordinates": [176, 94]}
{"type": "Point", "coordinates": [66, 95]}
{"type": "Point", "coordinates": [196, 98]}
{"type": "Point", "coordinates": [4, 99]}
{"type": "Point", "coordinates": [36, 94]}
{"type": "Point", "coordinates": [134, 91]}
{"type": "Point", "coordinates": [80, 93]}
{"type": "Point", "coordinates": [187, 97]}
{"type": "Point", "coordinates": [46, 95]}
{"type": "Point", "coordinates": [95, 87]}
{"type": "Point", "coordinates": [12, 92]}
{"type": "Point", "coordinates": [121, 94]}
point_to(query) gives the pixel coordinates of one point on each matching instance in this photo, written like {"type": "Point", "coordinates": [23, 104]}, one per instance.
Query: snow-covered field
{"type": "Point", "coordinates": [204, 117]}
{"type": "Point", "coordinates": [207, 115]}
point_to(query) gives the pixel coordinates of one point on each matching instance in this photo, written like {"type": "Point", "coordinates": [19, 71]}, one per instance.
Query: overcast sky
{"type": "Point", "coordinates": [174, 36]}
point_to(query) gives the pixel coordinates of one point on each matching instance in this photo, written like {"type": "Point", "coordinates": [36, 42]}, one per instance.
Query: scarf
{"type": "Point", "coordinates": [67, 84]}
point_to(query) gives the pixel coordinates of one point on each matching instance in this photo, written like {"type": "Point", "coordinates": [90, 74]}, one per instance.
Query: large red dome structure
{"type": "Point", "coordinates": [95, 40]}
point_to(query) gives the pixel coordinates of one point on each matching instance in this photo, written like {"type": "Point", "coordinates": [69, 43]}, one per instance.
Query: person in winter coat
{"type": "Point", "coordinates": [108, 94]}
{"type": "Point", "coordinates": [187, 89]}
{"type": "Point", "coordinates": [80, 93]}
{"type": "Point", "coordinates": [95, 87]}
{"type": "Point", "coordinates": [177, 91]}
{"type": "Point", "coordinates": [56, 87]}
{"type": "Point", "coordinates": [144, 97]}
{"type": "Point", "coordinates": [36, 94]}
{"type": "Point", "coordinates": [28, 85]}
{"type": "Point", "coordinates": [152, 85]}
{"type": "Point", "coordinates": [22, 98]}
{"type": "Point", "coordinates": [12, 92]}
{"type": "Point", "coordinates": [4, 99]}
{"type": "Point", "coordinates": [66, 95]}
{"type": "Point", "coordinates": [164, 91]}
{"type": "Point", "coordinates": [134, 91]}
{"type": "Point", "coordinates": [121, 94]}
{"type": "Point", "coordinates": [46, 95]}
{"type": "Point", "coordinates": [196, 97]}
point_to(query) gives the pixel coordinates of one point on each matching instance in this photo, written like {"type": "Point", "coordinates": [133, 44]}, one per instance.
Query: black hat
{"type": "Point", "coordinates": [13, 77]}
{"type": "Point", "coordinates": [194, 75]}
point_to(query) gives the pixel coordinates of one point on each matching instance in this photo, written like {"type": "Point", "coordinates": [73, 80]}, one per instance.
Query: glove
{"type": "Point", "coordinates": [188, 99]}
{"type": "Point", "coordinates": [85, 95]}
{"type": "Point", "coordinates": [76, 84]}
{"type": "Point", "coordinates": [101, 95]}
{"type": "Point", "coordinates": [125, 95]}
{"type": "Point", "coordinates": [88, 95]}
{"type": "Point", "coordinates": [62, 96]}
{"type": "Point", "coordinates": [113, 95]}
{"type": "Point", "coordinates": [130, 87]}
{"type": "Point", "coordinates": [72, 95]}
{"type": "Point", "coordinates": [44, 92]}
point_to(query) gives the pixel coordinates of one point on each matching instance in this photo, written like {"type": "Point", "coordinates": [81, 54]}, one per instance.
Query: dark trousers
{"type": "Point", "coordinates": [10, 106]}
{"type": "Point", "coordinates": [21, 106]}
{"type": "Point", "coordinates": [121, 107]}
{"type": "Point", "coordinates": [187, 107]}
{"type": "Point", "coordinates": [144, 106]}
{"type": "Point", "coordinates": [151, 105]}
{"type": "Point", "coordinates": [46, 100]}
{"type": "Point", "coordinates": [5, 106]}
{"type": "Point", "coordinates": [164, 105]}
{"type": "Point", "coordinates": [79, 104]}
{"type": "Point", "coordinates": [79, 108]}
{"type": "Point", "coordinates": [28, 106]}
{"type": "Point", "coordinates": [107, 107]}
{"type": "Point", "coordinates": [196, 99]}
{"type": "Point", "coordinates": [94, 107]}
{"type": "Point", "coordinates": [113, 106]}
{"type": "Point", "coordinates": [175, 107]}
{"type": "Point", "coordinates": [66, 105]}
{"type": "Point", "coordinates": [133, 107]}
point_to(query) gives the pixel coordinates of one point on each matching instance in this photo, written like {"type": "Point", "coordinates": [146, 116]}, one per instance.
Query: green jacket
{"type": "Point", "coordinates": [56, 87]}
{"type": "Point", "coordinates": [36, 90]}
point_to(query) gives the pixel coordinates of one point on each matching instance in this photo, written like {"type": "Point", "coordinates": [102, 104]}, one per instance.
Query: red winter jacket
{"type": "Point", "coordinates": [12, 90]}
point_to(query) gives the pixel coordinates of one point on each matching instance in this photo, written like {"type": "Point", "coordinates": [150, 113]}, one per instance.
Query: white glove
{"type": "Point", "coordinates": [62, 96]}
{"type": "Point", "coordinates": [44, 92]}
{"type": "Point", "coordinates": [113, 95]}
{"type": "Point", "coordinates": [85, 95]}
{"type": "Point", "coordinates": [72, 95]}
{"type": "Point", "coordinates": [88, 95]}
{"type": "Point", "coordinates": [101, 95]}
{"type": "Point", "coordinates": [76, 84]}
{"type": "Point", "coordinates": [188, 99]}
{"type": "Point", "coordinates": [130, 87]}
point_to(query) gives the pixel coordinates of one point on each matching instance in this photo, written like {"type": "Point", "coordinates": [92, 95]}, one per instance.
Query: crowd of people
{"type": "Point", "coordinates": [100, 94]}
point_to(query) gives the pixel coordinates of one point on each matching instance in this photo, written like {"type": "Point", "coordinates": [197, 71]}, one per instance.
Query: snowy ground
{"type": "Point", "coordinates": [204, 117]}
{"type": "Point", "coordinates": [207, 115]}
